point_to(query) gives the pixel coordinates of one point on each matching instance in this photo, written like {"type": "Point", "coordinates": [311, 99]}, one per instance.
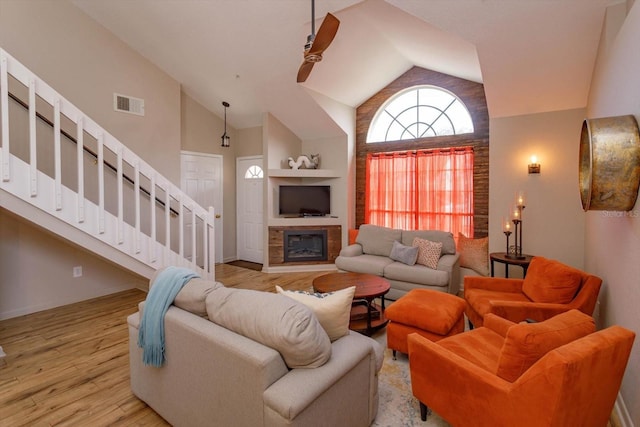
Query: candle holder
{"type": "Point", "coordinates": [517, 221]}
{"type": "Point", "coordinates": [507, 233]}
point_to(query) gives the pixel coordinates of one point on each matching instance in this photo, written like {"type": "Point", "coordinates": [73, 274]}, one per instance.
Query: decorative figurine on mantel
{"type": "Point", "coordinates": [311, 161]}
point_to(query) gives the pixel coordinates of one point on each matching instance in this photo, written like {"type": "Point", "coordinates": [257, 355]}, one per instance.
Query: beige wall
{"type": "Point", "coordinates": [37, 270]}
{"type": "Point", "coordinates": [249, 142]}
{"type": "Point", "coordinates": [201, 132]}
{"type": "Point", "coordinates": [612, 239]}
{"type": "Point", "coordinates": [553, 221]}
{"type": "Point", "coordinates": [86, 64]}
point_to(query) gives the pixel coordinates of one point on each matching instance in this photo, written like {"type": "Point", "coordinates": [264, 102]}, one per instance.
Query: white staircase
{"type": "Point", "coordinates": [62, 171]}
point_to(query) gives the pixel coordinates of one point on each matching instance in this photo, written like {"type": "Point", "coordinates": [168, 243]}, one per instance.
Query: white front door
{"type": "Point", "coordinates": [249, 196]}
{"type": "Point", "coordinates": [201, 179]}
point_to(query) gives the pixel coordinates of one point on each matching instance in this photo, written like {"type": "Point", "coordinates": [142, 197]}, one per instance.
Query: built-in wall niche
{"type": "Point", "coordinates": [301, 200]}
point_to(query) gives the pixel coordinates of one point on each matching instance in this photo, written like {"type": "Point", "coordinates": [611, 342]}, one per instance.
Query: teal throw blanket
{"type": "Point", "coordinates": [160, 297]}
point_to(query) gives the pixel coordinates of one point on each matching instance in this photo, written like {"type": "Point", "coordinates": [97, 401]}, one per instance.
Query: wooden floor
{"type": "Point", "coordinates": [69, 365]}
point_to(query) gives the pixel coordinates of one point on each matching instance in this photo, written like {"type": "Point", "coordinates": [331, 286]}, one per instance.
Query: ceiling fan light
{"type": "Point", "coordinates": [313, 58]}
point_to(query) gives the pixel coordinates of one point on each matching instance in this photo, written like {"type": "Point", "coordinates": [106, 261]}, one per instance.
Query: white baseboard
{"type": "Point", "coordinates": [621, 413]}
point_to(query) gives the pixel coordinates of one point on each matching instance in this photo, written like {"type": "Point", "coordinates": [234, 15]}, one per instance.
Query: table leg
{"type": "Point", "coordinates": [369, 302]}
{"type": "Point", "coordinates": [506, 271]}
{"type": "Point", "coordinates": [492, 272]}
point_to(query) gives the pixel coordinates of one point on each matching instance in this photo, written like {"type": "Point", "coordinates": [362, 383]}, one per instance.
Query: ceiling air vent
{"type": "Point", "coordinates": [128, 104]}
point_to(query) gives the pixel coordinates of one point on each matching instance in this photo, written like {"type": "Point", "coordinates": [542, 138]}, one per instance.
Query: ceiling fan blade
{"type": "Point", "coordinates": [325, 35]}
{"type": "Point", "coordinates": [304, 71]}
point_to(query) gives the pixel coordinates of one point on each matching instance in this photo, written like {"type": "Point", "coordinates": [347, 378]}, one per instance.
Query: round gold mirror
{"type": "Point", "coordinates": [609, 164]}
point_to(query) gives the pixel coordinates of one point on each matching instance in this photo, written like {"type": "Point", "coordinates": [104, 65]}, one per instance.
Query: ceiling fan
{"type": "Point", "coordinates": [317, 43]}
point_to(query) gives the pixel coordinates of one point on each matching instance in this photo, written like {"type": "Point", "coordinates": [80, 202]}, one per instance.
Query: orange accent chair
{"type": "Point", "coordinates": [553, 373]}
{"type": "Point", "coordinates": [549, 288]}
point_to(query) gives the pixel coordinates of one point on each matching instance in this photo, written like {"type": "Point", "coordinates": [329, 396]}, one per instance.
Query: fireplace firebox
{"type": "Point", "coordinates": [305, 245]}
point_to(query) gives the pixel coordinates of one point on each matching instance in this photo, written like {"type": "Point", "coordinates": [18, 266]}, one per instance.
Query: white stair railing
{"type": "Point", "coordinates": [99, 187]}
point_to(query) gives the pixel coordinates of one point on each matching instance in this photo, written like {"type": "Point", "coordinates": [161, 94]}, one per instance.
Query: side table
{"type": "Point", "coordinates": [502, 258]}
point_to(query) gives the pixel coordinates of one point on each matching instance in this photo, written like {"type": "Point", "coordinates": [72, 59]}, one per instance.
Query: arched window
{"type": "Point", "coordinates": [254, 172]}
{"type": "Point", "coordinates": [419, 112]}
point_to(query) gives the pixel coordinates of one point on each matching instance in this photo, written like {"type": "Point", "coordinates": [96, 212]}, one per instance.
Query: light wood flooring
{"type": "Point", "coordinates": [69, 366]}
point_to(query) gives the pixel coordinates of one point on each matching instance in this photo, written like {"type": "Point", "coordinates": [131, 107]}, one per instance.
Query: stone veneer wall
{"type": "Point", "coordinates": [472, 95]}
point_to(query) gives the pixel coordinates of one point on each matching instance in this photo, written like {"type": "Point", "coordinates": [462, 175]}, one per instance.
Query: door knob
{"type": "Point", "coordinates": [218, 216]}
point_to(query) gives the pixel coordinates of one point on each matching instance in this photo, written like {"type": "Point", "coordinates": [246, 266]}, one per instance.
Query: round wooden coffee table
{"type": "Point", "coordinates": [367, 317]}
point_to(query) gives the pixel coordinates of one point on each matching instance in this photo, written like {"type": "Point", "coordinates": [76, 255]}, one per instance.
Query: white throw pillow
{"type": "Point", "coordinates": [332, 309]}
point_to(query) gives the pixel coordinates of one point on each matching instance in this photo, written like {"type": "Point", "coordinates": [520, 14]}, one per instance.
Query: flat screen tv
{"type": "Point", "coordinates": [305, 200]}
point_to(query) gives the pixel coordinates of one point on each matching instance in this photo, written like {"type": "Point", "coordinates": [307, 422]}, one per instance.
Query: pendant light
{"type": "Point", "coordinates": [225, 138]}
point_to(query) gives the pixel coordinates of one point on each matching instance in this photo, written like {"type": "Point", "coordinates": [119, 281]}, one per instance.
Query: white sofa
{"type": "Point", "coordinates": [215, 376]}
{"type": "Point", "coordinates": [371, 254]}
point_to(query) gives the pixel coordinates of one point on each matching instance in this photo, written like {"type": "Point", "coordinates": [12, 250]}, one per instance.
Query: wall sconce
{"type": "Point", "coordinates": [534, 166]}
{"type": "Point", "coordinates": [225, 138]}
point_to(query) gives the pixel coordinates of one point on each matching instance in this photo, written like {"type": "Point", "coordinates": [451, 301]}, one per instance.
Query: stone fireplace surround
{"type": "Point", "coordinates": [304, 245]}
{"type": "Point", "coordinates": [331, 246]}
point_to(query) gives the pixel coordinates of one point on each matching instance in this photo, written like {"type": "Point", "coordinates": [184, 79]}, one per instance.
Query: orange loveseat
{"type": "Point", "coordinates": [549, 288]}
{"type": "Point", "coordinates": [552, 373]}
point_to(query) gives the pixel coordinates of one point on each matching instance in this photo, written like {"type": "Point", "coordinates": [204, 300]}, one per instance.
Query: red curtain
{"type": "Point", "coordinates": [421, 190]}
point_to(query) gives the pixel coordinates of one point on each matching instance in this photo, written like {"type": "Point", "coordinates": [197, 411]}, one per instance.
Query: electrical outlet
{"type": "Point", "coordinates": [77, 271]}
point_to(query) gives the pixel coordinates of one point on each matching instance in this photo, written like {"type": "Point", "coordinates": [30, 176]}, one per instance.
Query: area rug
{"type": "Point", "coordinates": [397, 406]}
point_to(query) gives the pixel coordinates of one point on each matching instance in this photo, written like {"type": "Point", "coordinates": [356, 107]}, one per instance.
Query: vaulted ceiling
{"type": "Point", "coordinates": [532, 55]}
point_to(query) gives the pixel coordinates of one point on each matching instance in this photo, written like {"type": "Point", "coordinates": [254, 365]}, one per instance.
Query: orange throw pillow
{"type": "Point", "coordinates": [526, 343]}
{"type": "Point", "coordinates": [551, 281]}
{"type": "Point", "coordinates": [353, 234]}
{"type": "Point", "coordinates": [474, 253]}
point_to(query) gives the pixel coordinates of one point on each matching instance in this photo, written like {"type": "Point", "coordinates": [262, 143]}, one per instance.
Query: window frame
{"type": "Point", "coordinates": [473, 96]}
{"type": "Point", "coordinates": [376, 126]}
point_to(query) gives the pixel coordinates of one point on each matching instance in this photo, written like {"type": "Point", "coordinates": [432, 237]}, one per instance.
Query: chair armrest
{"type": "Point", "coordinates": [493, 284]}
{"type": "Point", "coordinates": [301, 388]}
{"type": "Point", "coordinates": [497, 324]}
{"type": "Point", "coordinates": [451, 264]}
{"type": "Point", "coordinates": [352, 250]}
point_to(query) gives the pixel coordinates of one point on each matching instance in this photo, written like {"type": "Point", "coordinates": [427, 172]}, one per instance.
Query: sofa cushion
{"type": "Point", "coordinates": [445, 237]}
{"type": "Point", "coordinates": [525, 343]}
{"type": "Point", "coordinates": [273, 320]}
{"type": "Point", "coordinates": [468, 344]}
{"type": "Point", "coordinates": [193, 294]}
{"type": "Point", "coordinates": [333, 309]}
{"type": "Point", "coordinates": [428, 252]}
{"type": "Point", "coordinates": [551, 281]}
{"type": "Point", "coordinates": [418, 274]}
{"type": "Point", "coordinates": [404, 254]}
{"type": "Point", "coordinates": [482, 299]}
{"type": "Point", "coordinates": [474, 253]}
{"type": "Point", "coordinates": [377, 240]}
{"type": "Point", "coordinates": [372, 264]}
